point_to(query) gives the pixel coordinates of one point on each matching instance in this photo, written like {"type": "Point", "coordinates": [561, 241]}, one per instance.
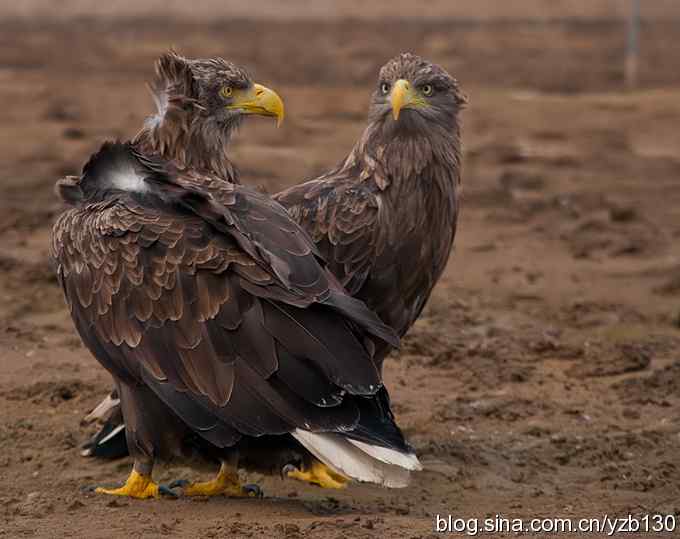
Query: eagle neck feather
{"type": "Point", "coordinates": [399, 164]}
{"type": "Point", "coordinates": [180, 132]}
{"type": "Point", "coordinates": [417, 182]}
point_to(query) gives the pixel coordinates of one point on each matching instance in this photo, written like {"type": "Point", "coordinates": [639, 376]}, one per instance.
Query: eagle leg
{"type": "Point", "coordinates": [138, 485]}
{"type": "Point", "coordinates": [317, 474]}
{"type": "Point", "coordinates": [225, 483]}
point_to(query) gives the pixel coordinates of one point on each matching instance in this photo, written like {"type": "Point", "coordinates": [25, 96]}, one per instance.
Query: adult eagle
{"type": "Point", "coordinates": [215, 312]}
{"type": "Point", "coordinates": [385, 217]}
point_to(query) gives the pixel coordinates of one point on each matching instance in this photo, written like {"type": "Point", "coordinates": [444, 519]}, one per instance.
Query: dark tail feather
{"type": "Point", "coordinates": [109, 442]}
{"type": "Point", "coordinates": [377, 425]}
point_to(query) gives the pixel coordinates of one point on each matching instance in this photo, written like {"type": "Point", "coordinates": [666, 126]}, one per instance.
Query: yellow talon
{"type": "Point", "coordinates": [226, 482]}
{"type": "Point", "coordinates": [137, 486]}
{"type": "Point", "coordinates": [321, 475]}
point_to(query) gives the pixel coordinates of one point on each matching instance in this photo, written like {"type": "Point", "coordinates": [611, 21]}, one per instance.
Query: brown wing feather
{"type": "Point", "coordinates": [388, 248]}
{"type": "Point", "coordinates": [343, 220]}
{"type": "Point", "coordinates": [199, 301]}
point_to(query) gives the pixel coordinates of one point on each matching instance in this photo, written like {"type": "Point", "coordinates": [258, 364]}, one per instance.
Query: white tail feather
{"type": "Point", "coordinates": [111, 434]}
{"type": "Point", "coordinates": [354, 461]}
{"type": "Point", "coordinates": [102, 409]}
{"type": "Point", "coordinates": [389, 456]}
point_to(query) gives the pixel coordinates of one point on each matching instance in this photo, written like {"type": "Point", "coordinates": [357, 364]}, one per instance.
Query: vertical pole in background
{"type": "Point", "coordinates": [633, 45]}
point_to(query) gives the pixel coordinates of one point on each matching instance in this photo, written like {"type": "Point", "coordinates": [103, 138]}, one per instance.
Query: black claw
{"type": "Point", "coordinates": [287, 469]}
{"type": "Point", "coordinates": [165, 491]}
{"type": "Point", "coordinates": [253, 490]}
{"type": "Point", "coordinates": [88, 489]}
{"type": "Point", "coordinates": [178, 483]}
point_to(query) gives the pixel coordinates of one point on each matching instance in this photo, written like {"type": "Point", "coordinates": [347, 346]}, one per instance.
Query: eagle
{"type": "Point", "coordinates": [213, 310]}
{"type": "Point", "coordinates": [385, 217]}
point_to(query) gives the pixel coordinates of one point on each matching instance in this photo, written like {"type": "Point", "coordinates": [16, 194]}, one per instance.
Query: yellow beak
{"type": "Point", "coordinates": [402, 96]}
{"type": "Point", "coordinates": [258, 100]}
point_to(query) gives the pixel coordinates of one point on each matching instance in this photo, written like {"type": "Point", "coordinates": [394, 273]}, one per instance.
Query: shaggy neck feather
{"type": "Point", "coordinates": [189, 139]}
{"type": "Point", "coordinates": [398, 159]}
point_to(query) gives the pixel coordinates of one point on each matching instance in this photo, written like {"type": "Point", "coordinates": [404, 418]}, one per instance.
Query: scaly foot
{"type": "Point", "coordinates": [226, 483]}
{"type": "Point", "coordinates": [317, 474]}
{"type": "Point", "coordinates": [137, 486]}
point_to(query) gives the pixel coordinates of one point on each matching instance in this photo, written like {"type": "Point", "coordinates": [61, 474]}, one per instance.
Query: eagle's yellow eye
{"type": "Point", "coordinates": [427, 90]}
{"type": "Point", "coordinates": [227, 91]}
{"type": "Point", "coordinates": [384, 88]}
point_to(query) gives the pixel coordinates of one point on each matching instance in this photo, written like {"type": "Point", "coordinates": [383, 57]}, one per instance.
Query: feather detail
{"type": "Point", "coordinates": [346, 458]}
{"type": "Point", "coordinates": [387, 455]}
{"type": "Point", "coordinates": [103, 408]}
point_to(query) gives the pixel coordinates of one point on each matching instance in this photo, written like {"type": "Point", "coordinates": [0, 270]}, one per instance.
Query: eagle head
{"type": "Point", "coordinates": [211, 90]}
{"type": "Point", "coordinates": [413, 92]}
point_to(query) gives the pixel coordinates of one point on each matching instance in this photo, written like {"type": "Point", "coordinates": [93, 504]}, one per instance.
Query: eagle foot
{"type": "Point", "coordinates": [225, 483]}
{"type": "Point", "coordinates": [137, 486]}
{"type": "Point", "coordinates": [317, 474]}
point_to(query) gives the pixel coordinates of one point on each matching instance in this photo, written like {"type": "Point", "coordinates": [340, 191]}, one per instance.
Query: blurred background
{"type": "Point", "coordinates": [543, 378]}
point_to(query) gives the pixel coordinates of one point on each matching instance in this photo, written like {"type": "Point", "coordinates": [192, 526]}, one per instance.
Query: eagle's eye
{"type": "Point", "coordinates": [427, 90]}
{"type": "Point", "coordinates": [226, 91]}
{"type": "Point", "coordinates": [385, 88]}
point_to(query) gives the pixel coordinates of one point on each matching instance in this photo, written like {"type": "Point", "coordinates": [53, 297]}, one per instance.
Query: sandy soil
{"type": "Point", "coordinates": [207, 10]}
{"type": "Point", "coordinates": [542, 380]}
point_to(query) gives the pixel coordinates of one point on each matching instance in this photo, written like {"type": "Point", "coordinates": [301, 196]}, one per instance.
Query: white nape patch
{"type": "Point", "coordinates": [111, 434]}
{"type": "Point", "coordinates": [127, 179]}
{"type": "Point", "coordinates": [102, 409]}
{"type": "Point", "coordinates": [390, 456]}
{"type": "Point", "coordinates": [336, 452]}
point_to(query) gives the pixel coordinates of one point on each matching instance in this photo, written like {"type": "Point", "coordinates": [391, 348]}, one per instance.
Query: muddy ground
{"type": "Point", "coordinates": [544, 376]}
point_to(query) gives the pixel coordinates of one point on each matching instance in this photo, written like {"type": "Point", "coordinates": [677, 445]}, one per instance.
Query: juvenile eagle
{"type": "Point", "coordinates": [385, 218]}
{"type": "Point", "coordinates": [214, 311]}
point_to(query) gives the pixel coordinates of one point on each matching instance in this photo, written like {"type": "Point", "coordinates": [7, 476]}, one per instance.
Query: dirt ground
{"type": "Point", "coordinates": [543, 379]}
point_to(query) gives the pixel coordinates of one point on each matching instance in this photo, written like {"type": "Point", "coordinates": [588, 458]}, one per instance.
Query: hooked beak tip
{"type": "Point", "coordinates": [267, 103]}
